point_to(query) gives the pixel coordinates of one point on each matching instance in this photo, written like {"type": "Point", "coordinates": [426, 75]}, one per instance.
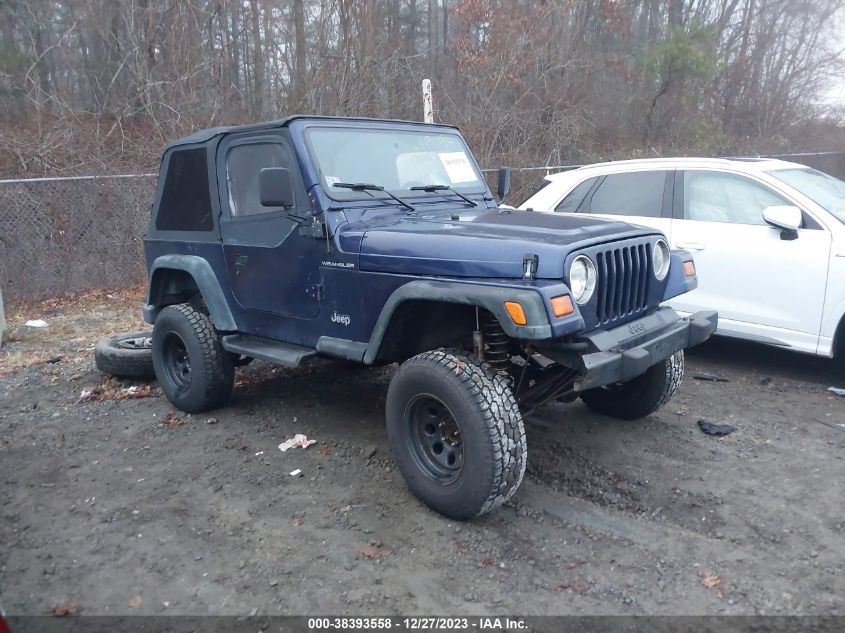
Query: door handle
{"type": "Point", "coordinates": [690, 246]}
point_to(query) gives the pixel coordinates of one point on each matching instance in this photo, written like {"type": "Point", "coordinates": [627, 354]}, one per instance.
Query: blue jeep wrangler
{"type": "Point", "coordinates": [378, 242]}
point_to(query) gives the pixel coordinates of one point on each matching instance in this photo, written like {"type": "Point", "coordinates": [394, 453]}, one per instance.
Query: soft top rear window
{"type": "Point", "coordinates": [185, 203]}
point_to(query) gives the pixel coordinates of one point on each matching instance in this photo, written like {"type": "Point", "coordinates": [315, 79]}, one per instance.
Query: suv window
{"type": "Point", "coordinates": [185, 203]}
{"type": "Point", "coordinates": [243, 164]}
{"type": "Point", "coordinates": [636, 193]}
{"type": "Point", "coordinates": [572, 201]}
{"type": "Point", "coordinates": [711, 196]}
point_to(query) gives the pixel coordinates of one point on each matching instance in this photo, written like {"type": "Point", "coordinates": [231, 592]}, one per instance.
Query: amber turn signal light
{"type": "Point", "coordinates": [516, 312]}
{"type": "Point", "coordinates": [562, 306]}
{"type": "Point", "coordinates": [689, 268]}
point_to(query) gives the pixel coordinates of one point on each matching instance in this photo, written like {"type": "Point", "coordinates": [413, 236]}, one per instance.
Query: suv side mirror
{"type": "Point", "coordinates": [275, 188]}
{"type": "Point", "coordinates": [786, 218]}
{"type": "Point", "coordinates": [504, 185]}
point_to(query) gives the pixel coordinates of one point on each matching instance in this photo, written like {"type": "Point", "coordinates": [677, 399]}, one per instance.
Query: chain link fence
{"type": "Point", "coordinates": [60, 235]}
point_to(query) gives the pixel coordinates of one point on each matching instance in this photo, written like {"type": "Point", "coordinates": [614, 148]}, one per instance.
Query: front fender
{"type": "Point", "coordinates": [200, 270]}
{"type": "Point", "coordinates": [678, 282]}
{"type": "Point", "coordinates": [491, 298]}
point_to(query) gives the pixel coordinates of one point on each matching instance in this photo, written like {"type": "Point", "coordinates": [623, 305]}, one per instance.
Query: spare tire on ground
{"type": "Point", "coordinates": [127, 355]}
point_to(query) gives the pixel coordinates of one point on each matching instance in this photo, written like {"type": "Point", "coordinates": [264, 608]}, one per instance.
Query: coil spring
{"type": "Point", "coordinates": [497, 345]}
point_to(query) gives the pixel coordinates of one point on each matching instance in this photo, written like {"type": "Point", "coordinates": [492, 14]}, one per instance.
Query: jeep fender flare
{"type": "Point", "coordinates": [201, 272]}
{"type": "Point", "coordinates": [488, 297]}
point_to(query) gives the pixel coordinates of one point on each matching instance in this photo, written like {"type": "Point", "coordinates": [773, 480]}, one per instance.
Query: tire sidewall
{"type": "Point", "coordinates": [464, 497]}
{"type": "Point", "coordinates": [171, 320]}
{"type": "Point", "coordinates": [110, 358]}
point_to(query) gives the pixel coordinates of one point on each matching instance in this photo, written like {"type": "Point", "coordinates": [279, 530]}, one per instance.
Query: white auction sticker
{"type": "Point", "coordinates": [457, 167]}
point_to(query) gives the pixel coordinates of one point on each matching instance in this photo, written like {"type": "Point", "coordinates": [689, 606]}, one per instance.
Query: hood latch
{"type": "Point", "coordinates": [530, 262]}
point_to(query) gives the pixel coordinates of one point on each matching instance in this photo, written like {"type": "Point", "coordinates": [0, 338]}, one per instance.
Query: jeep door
{"type": "Point", "coordinates": [765, 285]}
{"type": "Point", "coordinates": [273, 268]}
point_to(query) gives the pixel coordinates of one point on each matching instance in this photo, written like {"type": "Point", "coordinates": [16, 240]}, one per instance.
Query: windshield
{"type": "Point", "coordinates": [394, 159]}
{"type": "Point", "coordinates": [824, 190]}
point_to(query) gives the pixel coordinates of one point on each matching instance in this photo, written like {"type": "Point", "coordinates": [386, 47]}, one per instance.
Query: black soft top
{"type": "Point", "coordinates": [201, 136]}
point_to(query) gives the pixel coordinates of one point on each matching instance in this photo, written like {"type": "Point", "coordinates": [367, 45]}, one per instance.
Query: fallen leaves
{"type": "Point", "coordinates": [324, 450]}
{"type": "Point", "coordinates": [172, 420]}
{"type": "Point", "coordinates": [64, 608]}
{"type": "Point", "coordinates": [487, 561]}
{"type": "Point", "coordinates": [373, 552]}
{"type": "Point", "coordinates": [113, 390]}
{"type": "Point", "coordinates": [135, 601]}
{"type": "Point", "coordinates": [712, 581]}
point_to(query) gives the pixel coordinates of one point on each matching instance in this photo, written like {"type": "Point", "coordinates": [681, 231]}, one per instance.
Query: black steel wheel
{"type": "Point", "coordinates": [456, 433]}
{"type": "Point", "coordinates": [126, 355]}
{"type": "Point", "coordinates": [194, 371]}
{"type": "Point", "coordinates": [176, 362]}
{"type": "Point", "coordinates": [434, 438]}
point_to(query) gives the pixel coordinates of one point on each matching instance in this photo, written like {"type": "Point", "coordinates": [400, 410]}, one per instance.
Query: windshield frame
{"type": "Point", "coordinates": [346, 195]}
{"type": "Point", "coordinates": [773, 173]}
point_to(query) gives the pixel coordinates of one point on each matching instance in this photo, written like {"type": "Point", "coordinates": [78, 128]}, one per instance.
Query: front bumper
{"type": "Point", "coordinates": [627, 351]}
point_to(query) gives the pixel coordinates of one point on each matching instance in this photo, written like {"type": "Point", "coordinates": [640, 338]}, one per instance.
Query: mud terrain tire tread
{"type": "Point", "coordinates": [641, 396]}
{"type": "Point", "coordinates": [496, 415]}
{"type": "Point", "coordinates": [112, 359]}
{"type": "Point", "coordinates": [212, 367]}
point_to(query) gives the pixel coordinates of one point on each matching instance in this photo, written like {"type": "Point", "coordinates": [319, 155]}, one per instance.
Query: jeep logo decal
{"type": "Point", "coordinates": [636, 327]}
{"type": "Point", "coordinates": [343, 319]}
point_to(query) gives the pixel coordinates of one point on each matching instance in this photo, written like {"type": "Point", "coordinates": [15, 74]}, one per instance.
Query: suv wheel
{"type": "Point", "coordinates": [456, 433]}
{"type": "Point", "coordinates": [641, 396]}
{"type": "Point", "coordinates": [193, 369]}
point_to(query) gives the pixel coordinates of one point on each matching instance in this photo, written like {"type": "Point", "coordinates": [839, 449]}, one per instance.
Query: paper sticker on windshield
{"type": "Point", "coordinates": [332, 180]}
{"type": "Point", "coordinates": [457, 167]}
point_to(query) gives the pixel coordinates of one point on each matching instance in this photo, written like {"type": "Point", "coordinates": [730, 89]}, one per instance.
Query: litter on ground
{"type": "Point", "coordinates": [715, 429]}
{"type": "Point", "coordinates": [297, 440]}
{"type": "Point", "coordinates": [36, 323]}
{"type": "Point", "coordinates": [837, 391]}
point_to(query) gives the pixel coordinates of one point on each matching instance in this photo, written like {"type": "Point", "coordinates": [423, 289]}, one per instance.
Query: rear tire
{"type": "Point", "coordinates": [456, 433]}
{"type": "Point", "coordinates": [125, 355]}
{"type": "Point", "coordinates": [194, 371]}
{"type": "Point", "coordinates": [641, 396]}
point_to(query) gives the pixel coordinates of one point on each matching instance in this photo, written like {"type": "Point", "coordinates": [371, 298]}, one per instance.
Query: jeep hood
{"type": "Point", "coordinates": [483, 243]}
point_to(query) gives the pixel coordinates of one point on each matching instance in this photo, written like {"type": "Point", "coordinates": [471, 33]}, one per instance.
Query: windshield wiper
{"type": "Point", "coordinates": [363, 186]}
{"type": "Point", "coordinates": [435, 188]}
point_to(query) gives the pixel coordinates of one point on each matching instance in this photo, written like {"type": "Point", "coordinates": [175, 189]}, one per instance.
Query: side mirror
{"type": "Point", "coordinates": [504, 185]}
{"type": "Point", "coordinates": [275, 188]}
{"type": "Point", "coordinates": [786, 218]}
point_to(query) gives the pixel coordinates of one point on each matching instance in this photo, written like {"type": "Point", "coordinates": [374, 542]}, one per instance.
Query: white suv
{"type": "Point", "coordinates": [768, 238]}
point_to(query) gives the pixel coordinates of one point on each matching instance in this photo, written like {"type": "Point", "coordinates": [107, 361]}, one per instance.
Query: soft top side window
{"type": "Point", "coordinates": [244, 163]}
{"type": "Point", "coordinates": [185, 203]}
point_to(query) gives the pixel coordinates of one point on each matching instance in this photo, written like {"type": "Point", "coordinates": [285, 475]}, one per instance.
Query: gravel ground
{"type": "Point", "coordinates": [123, 505]}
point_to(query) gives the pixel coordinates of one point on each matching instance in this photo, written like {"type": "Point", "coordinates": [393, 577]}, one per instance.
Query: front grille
{"type": "Point", "coordinates": [623, 277]}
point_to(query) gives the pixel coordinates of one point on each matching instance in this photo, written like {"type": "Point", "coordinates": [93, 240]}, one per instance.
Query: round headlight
{"type": "Point", "coordinates": [582, 279]}
{"type": "Point", "coordinates": [660, 259]}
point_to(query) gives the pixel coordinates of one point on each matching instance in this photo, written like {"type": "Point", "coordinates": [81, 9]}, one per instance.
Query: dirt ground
{"type": "Point", "coordinates": [118, 504]}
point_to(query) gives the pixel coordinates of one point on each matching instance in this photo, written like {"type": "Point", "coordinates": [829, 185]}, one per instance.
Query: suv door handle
{"type": "Point", "coordinates": [690, 246]}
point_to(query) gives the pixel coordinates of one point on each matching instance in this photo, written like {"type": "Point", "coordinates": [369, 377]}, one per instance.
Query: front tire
{"type": "Point", "coordinates": [194, 371]}
{"type": "Point", "coordinates": [641, 396]}
{"type": "Point", "coordinates": [456, 433]}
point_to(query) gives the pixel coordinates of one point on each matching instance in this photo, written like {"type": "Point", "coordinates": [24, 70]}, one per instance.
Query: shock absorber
{"type": "Point", "coordinates": [497, 345]}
